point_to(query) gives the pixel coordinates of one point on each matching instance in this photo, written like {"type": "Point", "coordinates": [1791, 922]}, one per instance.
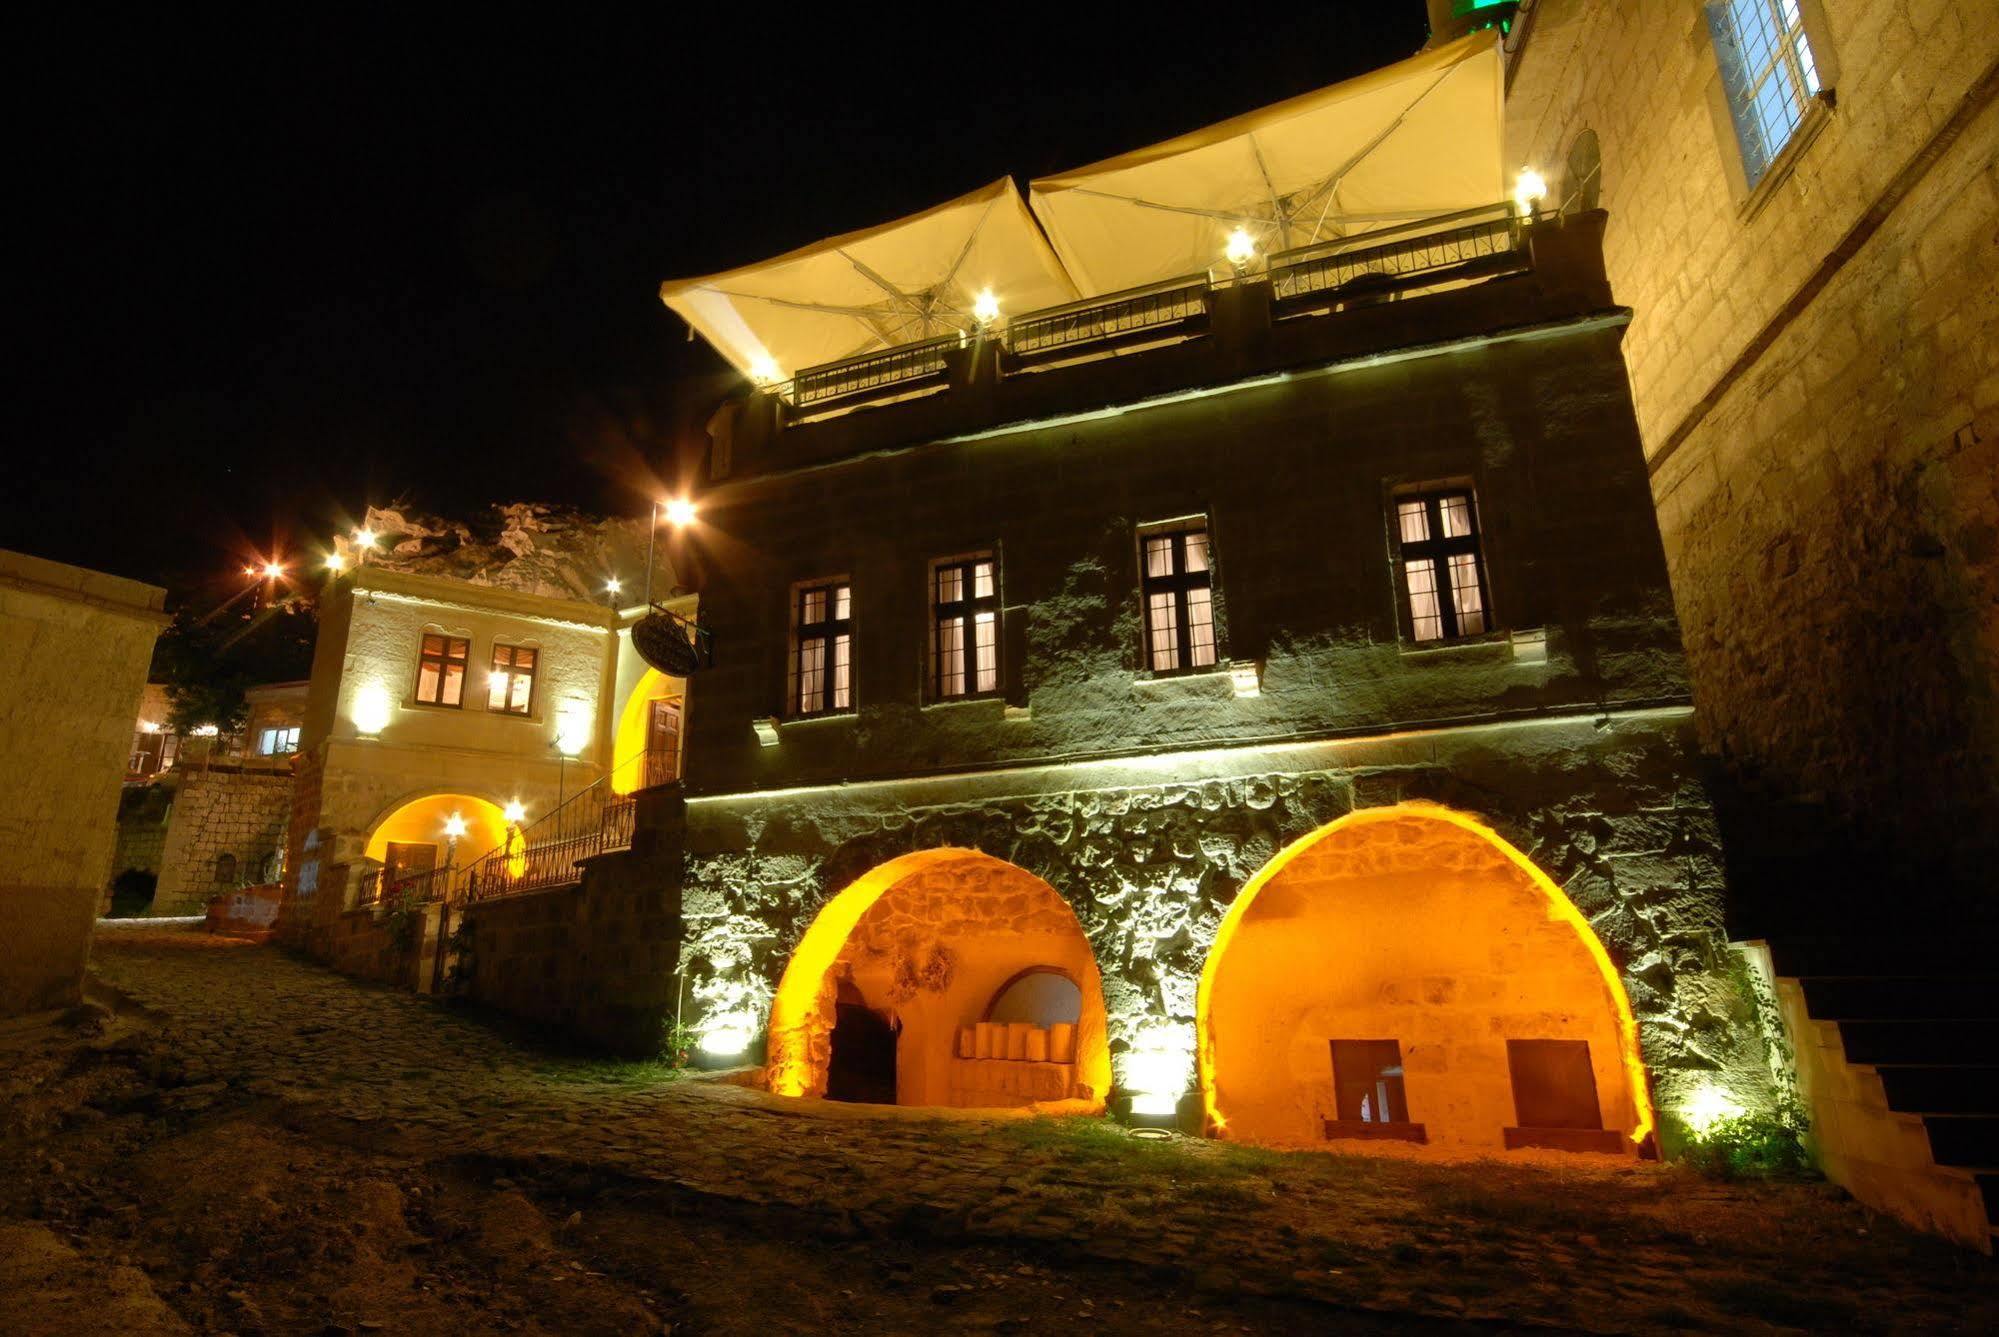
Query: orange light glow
{"type": "Point", "coordinates": [1297, 906]}
{"type": "Point", "coordinates": [801, 992]}
{"type": "Point", "coordinates": [425, 821]}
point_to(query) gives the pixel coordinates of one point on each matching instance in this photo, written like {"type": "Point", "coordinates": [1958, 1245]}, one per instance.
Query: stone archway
{"type": "Point", "coordinates": [1405, 973]}
{"type": "Point", "coordinates": [928, 940]}
{"type": "Point", "coordinates": [421, 820]}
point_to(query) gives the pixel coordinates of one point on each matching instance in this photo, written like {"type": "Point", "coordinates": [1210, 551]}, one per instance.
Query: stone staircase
{"type": "Point", "coordinates": [1898, 1060]}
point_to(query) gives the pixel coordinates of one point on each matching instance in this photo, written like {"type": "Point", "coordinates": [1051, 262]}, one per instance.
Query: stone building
{"type": "Point", "coordinates": [1246, 691]}
{"type": "Point", "coordinates": [76, 643]}
{"type": "Point", "coordinates": [1802, 203]}
{"type": "Point", "coordinates": [460, 730]}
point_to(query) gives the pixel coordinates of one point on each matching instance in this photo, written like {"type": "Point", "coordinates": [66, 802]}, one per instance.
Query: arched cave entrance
{"type": "Point", "coordinates": [1406, 974]}
{"type": "Point", "coordinates": [976, 971]}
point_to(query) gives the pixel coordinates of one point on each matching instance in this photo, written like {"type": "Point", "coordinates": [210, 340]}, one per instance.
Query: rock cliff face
{"type": "Point", "coordinates": [530, 547]}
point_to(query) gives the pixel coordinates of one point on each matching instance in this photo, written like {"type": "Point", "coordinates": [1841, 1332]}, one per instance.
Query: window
{"type": "Point", "coordinates": [1367, 1081]}
{"type": "Point", "coordinates": [1553, 1084]}
{"type": "Point", "coordinates": [510, 688]}
{"type": "Point", "coordinates": [1179, 599]}
{"type": "Point", "coordinates": [1768, 73]}
{"type": "Point", "coordinates": [275, 742]}
{"type": "Point", "coordinates": [440, 671]}
{"type": "Point", "coordinates": [1443, 571]}
{"type": "Point", "coordinates": [965, 621]}
{"type": "Point", "coordinates": [225, 868]}
{"type": "Point", "coordinates": [823, 675]}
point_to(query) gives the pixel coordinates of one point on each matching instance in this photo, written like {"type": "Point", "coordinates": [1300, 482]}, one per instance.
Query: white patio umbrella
{"type": "Point", "coordinates": [897, 283]}
{"type": "Point", "coordinates": [1416, 139]}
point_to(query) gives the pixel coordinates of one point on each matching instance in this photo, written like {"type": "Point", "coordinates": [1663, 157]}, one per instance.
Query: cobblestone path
{"type": "Point", "coordinates": [1108, 1227]}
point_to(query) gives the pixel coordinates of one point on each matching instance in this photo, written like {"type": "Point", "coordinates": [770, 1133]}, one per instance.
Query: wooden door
{"type": "Point", "coordinates": [663, 741]}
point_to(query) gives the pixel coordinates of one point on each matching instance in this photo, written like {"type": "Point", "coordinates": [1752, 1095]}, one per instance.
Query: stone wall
{"type": "Point", "coordinates": [76, 644]}
{"type": "Point", "coordinates": [1813, 372]}
{"type": "Point", "coordinates": [217, 813]}
{"type": "Point", "coordinates": [1151, 853]}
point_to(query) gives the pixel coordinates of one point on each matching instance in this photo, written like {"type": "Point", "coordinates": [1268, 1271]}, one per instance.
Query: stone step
{"type": "Point", "coordinates": [1921, 1042]}
{"type": "Point", "coordinates": [1900, 997]}
{"type": "Point", "coordinates": [1941, 1089]}
{"type": "Point", "coordinates": [1970, 1140]}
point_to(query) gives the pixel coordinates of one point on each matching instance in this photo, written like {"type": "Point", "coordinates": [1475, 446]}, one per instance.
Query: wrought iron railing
{"type": "Point", "coordinates": [1409, 255]}
{"type": "Point", "coordinates": [904, 365]}
{"type": "Point", "coordinates": [545, 854]}
{"type": "Point", "coordinates": [432, 884]}
{"type": "Point", "coordinates": [1135, 311]}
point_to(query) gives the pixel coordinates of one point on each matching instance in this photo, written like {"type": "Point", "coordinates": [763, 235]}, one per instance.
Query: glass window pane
{"type": "Point", "coordinates": [950, 584]}
{"type": "Point", "coordinates": [1456, 516]}
{"type": "Point", "coordinates": [1425, 616]}
{"type": "Point", "coordinates": [1414, 521]}
{"type": "Point", "coordinates": [1164, 625]}
{"type": "Point", "coordinates": [1467, 600]}
{"type": "Point", "coordinates": [842, 604]}
{"type": "Point", "coordinates": [811, 682]}
{"type": "Point", "coordinates": [951, 656]}
{"type": "Point", "coordinates": [814, 607]}
{"type": "Point", "coordinates": [1159, 555]}
{"type": "Point", "coordinates": [982, 580]}
{"type": "Point", "coordinates": [426, 683]}
{"type": "Point", "coordinates": [1197, 550]}
{"type": "Point", "coordinates": [986, 641]}
{"type": "Point", "coordinates": [842, 688]}
{"type": "Point", "coordinates": [433, 645]}
{"type": "Point", "coordinates": [1200, 627]}
{"type": "Point", "coordinates": [454, 682]}
{"type": "Point", "coordinates": [497, 684]}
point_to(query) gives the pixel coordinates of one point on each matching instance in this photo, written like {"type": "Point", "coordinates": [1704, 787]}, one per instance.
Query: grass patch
{"type": "Point", "coordinates": [1087, 1143]}
{"type": "Point", "coordinates": [611, 1072]}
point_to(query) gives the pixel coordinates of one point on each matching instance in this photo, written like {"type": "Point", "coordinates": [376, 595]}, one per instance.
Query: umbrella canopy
{"type": "Point", "coordinates": [894, 284]}
{"type": "Point", "coordinates": [1419, 138]}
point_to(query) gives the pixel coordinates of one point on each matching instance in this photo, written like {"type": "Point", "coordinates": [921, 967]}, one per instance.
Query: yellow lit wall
{"type": "Point", "coordinates": [629, 741]}
{"type": "Point", "coordinates": [421, 821]}
{"type": "Point", "coordinates": [1419, 925]}
{"type": "Point", "coordinates": [990, 919]}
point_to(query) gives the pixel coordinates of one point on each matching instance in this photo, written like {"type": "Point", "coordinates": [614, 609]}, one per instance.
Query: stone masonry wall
{"type": "Point", "coordinates": [1820, 405]}
{"type": "Point", "coordinates": [239, 813]}
{"type": "Point", "coordinates": [1150, 862]}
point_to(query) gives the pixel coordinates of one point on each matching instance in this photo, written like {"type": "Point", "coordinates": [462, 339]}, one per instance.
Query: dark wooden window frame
{"type": "Point", "coordinates": [442, 660]}
{"type": "Point", "coordinates": [1440, 550]}
{"type": "Point", "coordinates": [526, 709]}
{"type": "Point", "coordinates": [964, 611]}
{"type": "Point", "coordinates": [827, 632]}
{"type": "Point", "coordinates": [1178, 582]}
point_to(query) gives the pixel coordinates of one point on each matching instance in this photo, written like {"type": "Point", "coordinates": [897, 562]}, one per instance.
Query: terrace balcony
{"type": "Point", "coordinates": [1427, 282]}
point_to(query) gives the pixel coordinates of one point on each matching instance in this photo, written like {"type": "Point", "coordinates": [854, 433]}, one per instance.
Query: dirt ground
{"type": "Point", "coordinates": [189, 1154]}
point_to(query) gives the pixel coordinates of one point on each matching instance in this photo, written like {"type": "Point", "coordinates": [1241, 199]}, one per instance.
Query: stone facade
{"type": "Point", "coordinates": [77, 644]}
{"type": "Point", "coordinates": [227, 830]}
{"type": "Point", "coordinates": [1813, 373]}
{"type": "Point", "coordinates": [1149, 802]}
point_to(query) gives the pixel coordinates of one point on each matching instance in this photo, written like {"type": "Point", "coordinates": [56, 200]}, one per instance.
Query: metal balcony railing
{"type": "Point", "coordinates": [1151, 310]}
{"type": "Point", "coordinates": [407, 889]}
{"type": "Point", "coordinates": [1472, 243]}
{"type": "Point", "coordinates": [545, 854]}
{"type": "Point", "coordinates": [906, 365]}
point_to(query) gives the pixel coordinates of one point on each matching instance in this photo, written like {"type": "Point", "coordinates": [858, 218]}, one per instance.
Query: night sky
{"type": "Point", "coordinates": [277, 272]}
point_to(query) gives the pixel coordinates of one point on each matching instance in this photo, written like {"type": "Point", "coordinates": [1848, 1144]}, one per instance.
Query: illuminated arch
{"type": "Point", "coordinates": [1560, 910]}
{"type": "Point", "coordinates": [629, 739]}
{"type": "Point", "coordinates": [796, 1011]}
{"type": "Point", "coordinates": [420, 818]}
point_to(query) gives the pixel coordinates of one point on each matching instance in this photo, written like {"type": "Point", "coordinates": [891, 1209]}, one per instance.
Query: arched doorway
{"type": "Point", "coordinates": [646, 747]}
{"type": "Point", "coordinates": [414, 837]}
{"type": "Point", "coordinates": [928, 949]}
{"type": "Point", "coordinates": [1406, 974]}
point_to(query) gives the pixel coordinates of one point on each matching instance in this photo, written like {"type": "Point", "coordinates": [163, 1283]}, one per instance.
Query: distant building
{"type": "Point", "coordinates": [76, 643]}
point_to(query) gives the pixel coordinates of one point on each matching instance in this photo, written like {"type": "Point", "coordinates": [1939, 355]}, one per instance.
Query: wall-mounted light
{"type": "Point", "coordinates": [764, 370]}
{"type": "Point", "coordinates": [334, 562]}
{"type": "Point", "coordinates": [364, 538]}
{"type": "Point", "coordinates": [1709, 1107]}
{"type": "Point", "coordinates": [272, 570]}
{"type": "Point", "coordinates": [572, 731]}
{"type": "Point", "coordinates": [986, 307]}
{"type": "Point", "coordinates": [515, 812]}
{"type": "Point", "coordinates": [1240, 249]}
{"type": "Point", "coordinates": [727, 1035]}
{"type": "Point", "coordinates": [613, 585]}
{"type": "Point", "coordinates": [371, 710]}
{"type": "Point", "coordinates": [1529, 188]}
